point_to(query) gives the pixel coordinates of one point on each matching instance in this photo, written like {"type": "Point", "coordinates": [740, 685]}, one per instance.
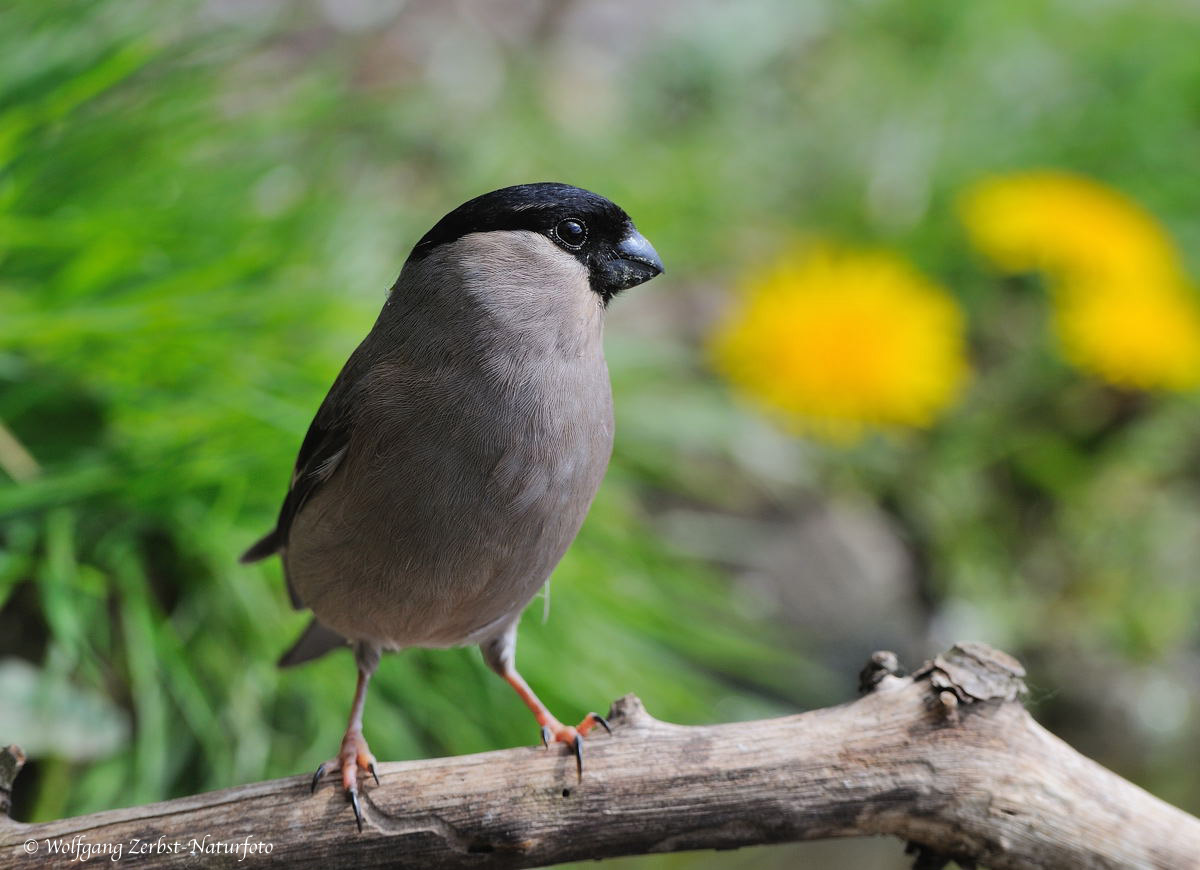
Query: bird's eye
{"type": "Point", "coordinates": [571, 232]}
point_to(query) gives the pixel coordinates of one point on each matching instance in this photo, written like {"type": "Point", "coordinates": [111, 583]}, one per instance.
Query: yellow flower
{"type": "Point", "coordinates": [1123, 307]}
{"type": "Point", "coordinates": [1138, 336]}
{"type": "Point", "coordinates": [835, 341]}
{"type": "Point", "coordinates": [1065, 225]}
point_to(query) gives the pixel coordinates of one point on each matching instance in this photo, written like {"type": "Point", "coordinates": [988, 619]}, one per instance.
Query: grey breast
{"type": "Point", "coordinates": [482, 429]}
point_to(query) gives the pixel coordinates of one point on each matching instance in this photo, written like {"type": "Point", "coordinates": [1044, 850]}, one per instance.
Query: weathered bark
{"type": "Point", "coordinates": [947, 759]}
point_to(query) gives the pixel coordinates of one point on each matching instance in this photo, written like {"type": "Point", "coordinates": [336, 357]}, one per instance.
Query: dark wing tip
{"type": "Point", "coordinates": [267, 545]}
{"type": "Point", "coordinates": [314, 642]}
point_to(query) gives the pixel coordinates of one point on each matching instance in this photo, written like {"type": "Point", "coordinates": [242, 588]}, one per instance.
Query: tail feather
{"type": "Point", "coordinates": [267, 545]}
{"type": "Point", "coordinates": [314, 642]}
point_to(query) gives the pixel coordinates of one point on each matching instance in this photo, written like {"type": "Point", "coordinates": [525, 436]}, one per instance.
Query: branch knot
{"type": "Point", "coordinates": [976, 672]}
{"type": "Point", "coordinates": [874, 675]}
{"type": "Point", "coordinates": [12, 759]}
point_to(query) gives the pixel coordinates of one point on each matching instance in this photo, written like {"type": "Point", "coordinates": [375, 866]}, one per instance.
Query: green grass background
{"type": "Point", "coordinates": [202, 204]}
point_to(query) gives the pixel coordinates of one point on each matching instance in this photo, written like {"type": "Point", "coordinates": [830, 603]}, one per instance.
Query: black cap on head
{"type": "Point", "coordinates": [589, 227]}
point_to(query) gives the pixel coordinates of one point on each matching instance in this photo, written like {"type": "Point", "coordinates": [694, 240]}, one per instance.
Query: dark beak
{"type": "Point", "coordinates": [634, 262]}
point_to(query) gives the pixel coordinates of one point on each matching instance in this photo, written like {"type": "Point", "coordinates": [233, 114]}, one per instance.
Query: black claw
{"type": "Point", "coordinates": [317, 778]}
{"type": "Point", "coordinates": [546, 735]}
{"type": "Point", "coordinates": [357, 808]}
{"type": "Point", "coordinates": [373, 773]}
{"type": "Point", "coordinates": [602, 721]}
{"type": "Point", "coordinates": [579, 757]}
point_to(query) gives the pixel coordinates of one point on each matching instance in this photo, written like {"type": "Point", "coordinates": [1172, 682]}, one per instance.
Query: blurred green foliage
{"type": "Point", "coordinates": [169, 327]}
{"type": "Point", "coordinates": [201, 206]}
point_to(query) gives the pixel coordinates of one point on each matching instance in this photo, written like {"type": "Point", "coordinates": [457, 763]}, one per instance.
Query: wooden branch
{"type": "Point", "coordinates": [947, 759]}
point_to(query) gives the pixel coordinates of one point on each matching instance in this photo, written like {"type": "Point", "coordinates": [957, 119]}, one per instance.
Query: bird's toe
{"type": "Point", "coordinates": [354, 756]}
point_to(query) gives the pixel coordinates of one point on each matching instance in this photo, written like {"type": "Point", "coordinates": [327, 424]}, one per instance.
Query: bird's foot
{"type": "Point", "coordinates": [354, 756]}
{"type": "Point", "coordinates": [554, 731]}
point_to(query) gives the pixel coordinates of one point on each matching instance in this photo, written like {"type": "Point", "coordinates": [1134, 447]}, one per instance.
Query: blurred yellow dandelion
{"type": "Point", "coordinates": [1123, 309]}
{"type": "Point", "coordinates": [836, 340]}
{"type": "Point", "coordinates": [1135, 336]}
{"type": "Point", "coordinates": [1064, 225]}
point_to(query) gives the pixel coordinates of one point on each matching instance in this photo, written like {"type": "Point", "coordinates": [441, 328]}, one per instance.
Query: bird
{"type": "Point", "coordinates": [458, 451]}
